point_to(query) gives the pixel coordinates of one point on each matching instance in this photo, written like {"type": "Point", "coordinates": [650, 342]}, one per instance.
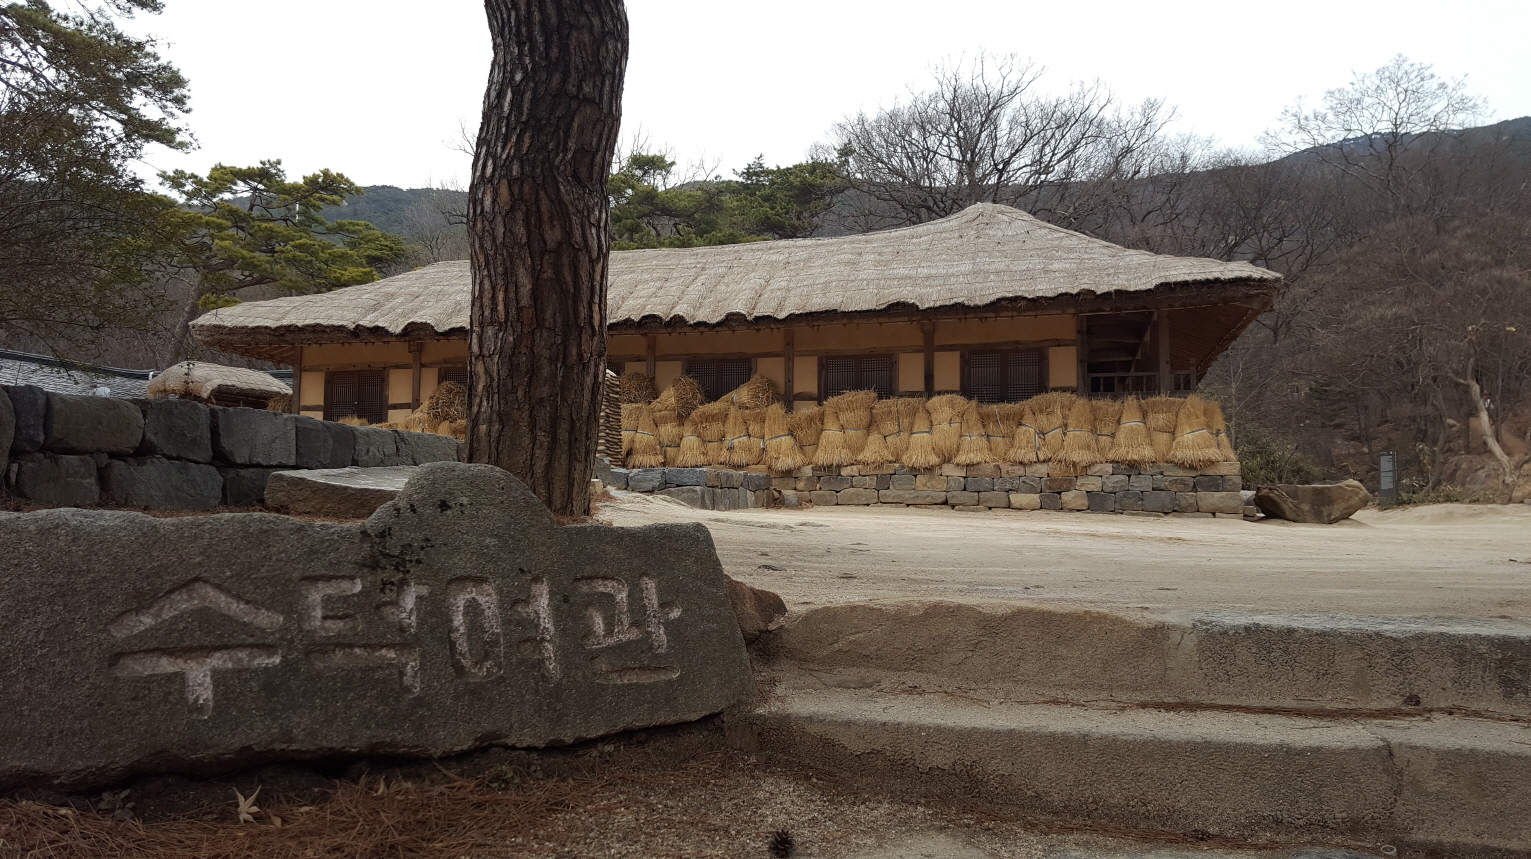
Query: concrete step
{"type": "Point", "coordinates": [1048, 652]}
{"type": "Point", "coordinates": [1437, 783]}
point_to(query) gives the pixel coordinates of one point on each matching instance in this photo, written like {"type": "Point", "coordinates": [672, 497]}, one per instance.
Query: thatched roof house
{"type": "Point", "coordinates": [217, 385]}
{"type": "Point", "coordinates": [991, 302]}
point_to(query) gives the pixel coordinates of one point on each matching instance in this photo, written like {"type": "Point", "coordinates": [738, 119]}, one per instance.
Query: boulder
{"type": "Point", "coordinates": [254, 437]}
{"type": "Point", "coordinates": [51, 478]}
{"type": "Point", "coordinates": [375, 448]}
{"type": "Point", "coordinates": [685, 476]}
{"type": "Point", "coordinates": [323, 444]}
{"type": "Point", "coordinates": [1321, 504]}
{"type": "Point", "coordinates": [176, 429]}
{"type": "Point", "coordinates": [645, 479]}
{"type": "Point", "coordinates": [7, 426]}
{"type": "Point", "coordinates": [245, 487]}
{"type": "Point", "coordinates": [29, 404]}
{"type": "Point", "coordinates": [342, 493]}
{"type": "Point", "coordinates": [418, 448]}
{"type": "Point", "coordinates": [755, 609]}
{"type": "Point", "coordinates": [458, 616]}
{"type": "Point", "coordinates": [77, 424]}
{"type": "Point", "coordinates": [156, 483]}
{"type": "Point", "coordinates": [691, 496]}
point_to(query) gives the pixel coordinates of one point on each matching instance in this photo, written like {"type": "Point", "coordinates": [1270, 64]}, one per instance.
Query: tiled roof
{"type": "Point", "coordinates": [65, 377]}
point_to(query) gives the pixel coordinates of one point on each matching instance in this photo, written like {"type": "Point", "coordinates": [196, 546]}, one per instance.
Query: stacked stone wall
{"type": "Point", "coordinates": [68, 450]}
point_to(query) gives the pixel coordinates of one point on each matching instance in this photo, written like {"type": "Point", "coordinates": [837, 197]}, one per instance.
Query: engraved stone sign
{"type": "Point", "coordinates": [456, 616]}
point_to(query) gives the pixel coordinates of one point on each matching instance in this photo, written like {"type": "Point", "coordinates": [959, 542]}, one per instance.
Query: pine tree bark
{"type": "Point", "coordinates": [539, 241]}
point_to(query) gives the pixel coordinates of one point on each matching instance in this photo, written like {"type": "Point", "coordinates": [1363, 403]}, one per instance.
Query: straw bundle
{"type": "Point", "coordinates": [456, 429]}
{"type": "Point", "coordinates": [920, 451]}
{"type": "Point", "coordinates": [740, 448]}
{"type": "Point", "coordinates": [1219, 427]}
{"type": "Point", "coordinates": [999, 424]}
{"type": "Point", "coordinates": [1195, 445]}
{"type": "Point", "coordinates": [1108, 416]}
{"type": "Point", "coordinates": [353, 421]}
{"type": "Point", "coordinates": [755, 421]}
{"type": "Point", "coordinates": [629, 427]}
{"type": "Point", "coordinates": [1160, 414]}
{"type": "Point", "coordinates": [1048, 417]}
{"type": "Point", "coordinates": [875, 451]}
{"type": "Point", "coordinates": [946, 413]}
{"type": "Point", "coordinates": [832, 452]}
{"type": "Point", "coordinates": [279, 403]}
{"type": "Point", "coordinates": [854, 409]}
{"type": "Point", "coordinates": [682, 397]}
{"type": "Point", "coordinates": [449, 402]}
{"type": "Point", "coordinates": [805, 425]}
{"type": "Point", "coordinates": [757, 393]}
{"type": "Point", "coordinates": [646, 452]}
{"type": "Point", "coordinates": [636, 388]}
{"type": "Point", "coordinates": [893, 420]}
{"type": "Point", "coordinates": [1079, 449]}
{"type": "Point", "coordinates": [781, 451]}
{"type": "Point", "coordinates": [693, 451]}
{"type": "Point", "coordinates": [1133, 444]}
{"type": "Point", "coordinates": [1026, 444]}
{"type": "Point", "coordinates": [973, 449]}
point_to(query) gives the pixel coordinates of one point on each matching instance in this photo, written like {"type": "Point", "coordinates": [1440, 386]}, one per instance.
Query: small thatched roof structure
{"type": "Point", "coordinates": [204, 382]}
{"type": "Point", "coordinates": [975, 258]}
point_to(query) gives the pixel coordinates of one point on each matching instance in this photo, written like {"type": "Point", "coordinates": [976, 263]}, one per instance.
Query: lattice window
{"type": "Point", "coordinates": [1003, 377]}
{"type": "Point", "coordinates": [857, 373]}
{"type": "Point", "coordinates": [359, 393]}
{"type": "Point", "coordinates": [718, 376]}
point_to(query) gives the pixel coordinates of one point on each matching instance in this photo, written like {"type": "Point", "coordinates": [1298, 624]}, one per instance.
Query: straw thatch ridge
{"type": "Point", "coordinates": [983, 254]}
{"type": "Point", "coordinates": [199, 380]}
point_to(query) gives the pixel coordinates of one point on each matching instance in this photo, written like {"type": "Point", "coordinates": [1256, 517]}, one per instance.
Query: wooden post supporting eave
{"type": "Point", "coordinates": [928, 329]}
{"type": "Point", "coordinates": [416, 349]}
{"type": "Point", "coordinates": [1166, 374]}
{"type": "Point", "coordinates": [297, 381]}
{"type": "Point", "coordinates": [651, 353]}
{"type": "Point", "coordinates": [789, 372]}
{"type": "Point", "coordinates": [1082, 355]}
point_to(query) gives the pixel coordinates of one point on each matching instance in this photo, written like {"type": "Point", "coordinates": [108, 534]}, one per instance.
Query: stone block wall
{"type": "Point", "coordinates": [703, 488]}
{"type": "Point", "coordinates": [70, 450]}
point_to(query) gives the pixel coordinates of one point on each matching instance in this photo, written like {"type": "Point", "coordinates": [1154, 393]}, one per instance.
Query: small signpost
{"type": "Point", "coordinates": [1387, 494]}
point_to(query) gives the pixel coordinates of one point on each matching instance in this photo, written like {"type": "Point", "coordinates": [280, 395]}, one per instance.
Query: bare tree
{"type": "Point", "coordinates": [537, 223]}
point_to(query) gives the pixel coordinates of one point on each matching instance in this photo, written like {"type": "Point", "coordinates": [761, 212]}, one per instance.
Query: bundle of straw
{"type": "Point", "coordinates": [1079, 449]}
{"type": "Point", "coordinates": [1133, 444]}
{"type": "Point", "coordinates": [974, 448]}
{"type": "Point", "coordinates": [999, 423]}
{"type": "Point", "coordinates": [1108, 416]}
{"type": "Point", "coordinates": [449, 402]}
{"type": "Point", "coordinates": [893, 419]}
{"type": "Point", "coordinates": [693, 451]}
{"type": "Point", "coordinates": [757, 393]}
{"type": "Point", "coordinates": [854, 409]}
{"type": "Point", "coordinates": [920, 451]}
{"type": "Point", "coordinates": [1048, 418]}
{"type": "Point", "coordinates": [946, 413]}
{"type": "Point", "coordinates": [629, 426]}
{"type": "Point", "coordinates": [805, 425]}
{"type": "Point", "coordinates": [755, 421]}
{"type": "Point", "coordinates": [781, 451]}
{"type": "Point", "coordinates": [646, 452]}
{"type": "Point", "coordinates": [740, 448]}
{"type": "Point", "coordinates": [279, 403]}
{"type": "Point", "coordinates": [1026, 444]}
{"type": "Point", "coordinates": [353, 421]}
{"type": "Point", "coordinates": [636, 388]}
{"type": "Point", "coordinates": [1195, 445]}
{"type": "Point", "coordinates": [709, 420]}
{"type": "Point", "coordinates": [456, 429]}
{"type": "Point", "coordinates": [832, 452]}
{"type": "Point", "coordinates": [685, 395]}
{"type": "Point", "coordinates": [1219, 426]}
{"type": "Point", "coordinates": [1160, 414]}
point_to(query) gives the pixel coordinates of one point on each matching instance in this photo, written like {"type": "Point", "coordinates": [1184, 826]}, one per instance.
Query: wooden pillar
{"type": "Point", "coordinates": [1082, 355]}
{"type": "Point", "coordinates": [416, 349]}
{"type": "Point", "coordinates": [1166, 373]}
{"type": "Point", "coordinates": [789, 371]}
{"type": "Point", "coordinates": [928, 329]}
{"type": "Point", "coordinates": [651, 353]}
{"type": "Point", "coordinates": [297, 381]}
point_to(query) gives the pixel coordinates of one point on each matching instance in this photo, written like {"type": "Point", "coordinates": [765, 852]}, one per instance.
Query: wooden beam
{"type": "Point", "coordinates": [789, 371]}
{"type": "Point", "coordinates": [1166, 373]}
{"type": "Point", "coordinates": [297, 381]}
{"type": "Point", "coordinates": [651, 350]}
{"type": "Point", "coordinates": [416, 349]}
{"type": "Point", "coordinates": [928, 329]}
{"type": "Point", "coordinates": [1082, 356]}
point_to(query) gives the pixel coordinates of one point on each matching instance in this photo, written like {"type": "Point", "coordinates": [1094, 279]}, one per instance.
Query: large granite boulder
{"type": "Point", "coordinates": [177, 429]}
{"type": "Point", "coordinates": [1319, 504]}
{"type": "Point", "coordinates": [52, 478]}
{"type": "Point", "coordinates": [254, 437]}
{"type": "Point", "coordinates": [29, 404]}
{"type": "Point", "coordinates": [754, 608]}
{"type": "Point", "coordinates": [375, 448]}
{"type": "Point", "coordinates": [245, 487]}
{"type": "Point", "coordinates": [324, 444]}
{"type": "Point", "coordinates": [82, 424]}
{"type": "Point", "coordinates": [459, 615]}
{"type": "Point", "coordinates": [418, 448]}
{"type": "Point", "coordinates": [7, 426]}
{"type": "Point", "coordinates": [156, 483]}
{"type": "Point", "coordinates": [342, 493]}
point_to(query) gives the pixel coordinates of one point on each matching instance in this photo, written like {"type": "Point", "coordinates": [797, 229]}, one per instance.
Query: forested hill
{"type": "Point", "coordinates": [396, 210]}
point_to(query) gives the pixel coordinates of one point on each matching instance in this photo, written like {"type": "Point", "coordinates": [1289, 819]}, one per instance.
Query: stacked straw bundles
{"type": "Point", "coordinates": [611, 416]}
{"type": "Point", "coordinates": [646, 452]}
{"type": "Point", "coordinates": [1026, 444]}
{"type": "Point", "coordinates": [1133, 444]}
{"type": "Point", "coordinates": [854, 411]}
{"type": "Point", "coordinates": [946, 413]}
{"type": "Point", "coordinates": [740, 448]}
{"type": "Point", "coordinates": [710, 423]}
{"type": "Point", "coordinates": [279, 403]}
{"type": "Point", "coordinates": [1219, 426]}
{"type": "Point", "coordinates": [1195, 445]}
{"type": "Point", "coordinates": [1079, 450]}
{"type": "Point", "coordinates": [693, 451]}
{"type": "Point", "coordinates": [805, 426]}
{"type": "Point", "coordinates": [894, 420]}
{"type": "Point", "coordinates": [637, 388]}
{"type": "Point", "coordinates": [1108, 416]}
{"type": "Point", "coordinates": [781, 451]}
{"type": "Point", "coordinates": [832, 452]}
{"type": "Point", "coordinates": [920, 450]}
{"type": "Point", "coordinates": [1000, 422]}
{"type": "Point", "coordinates": [757, 393]}
{"type": "Point", "coordinates": [629, 427]}
{"type": "Point", "coordinates": [1048, 418]}
{"type": "Point", "coordinates": [1160, 413]}
{"type": "Point", "coordinates": [973, 448]}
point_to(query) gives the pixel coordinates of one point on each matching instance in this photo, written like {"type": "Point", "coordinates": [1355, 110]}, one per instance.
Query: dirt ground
{"type": "Point", "coordinates": [1449, 560]}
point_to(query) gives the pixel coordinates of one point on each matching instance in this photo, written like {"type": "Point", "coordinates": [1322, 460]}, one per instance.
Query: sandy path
{"type": "Point", "coordinates": [1453, 560]}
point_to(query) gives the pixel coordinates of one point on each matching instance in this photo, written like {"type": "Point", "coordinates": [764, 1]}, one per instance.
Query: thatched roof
{"type": "Point", "coordinates": [984, 254]}
{"type": "Point", "coordinates": [203, 381]}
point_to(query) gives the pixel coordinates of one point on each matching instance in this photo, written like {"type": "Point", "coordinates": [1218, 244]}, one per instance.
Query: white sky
{"type": "Point", "coordinates": [378, 88]}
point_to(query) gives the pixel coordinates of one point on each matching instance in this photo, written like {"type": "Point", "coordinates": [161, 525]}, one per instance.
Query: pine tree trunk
{"type": "Point", "coordinates": [537, 227]}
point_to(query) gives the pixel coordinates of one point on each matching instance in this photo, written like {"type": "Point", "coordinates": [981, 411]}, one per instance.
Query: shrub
{"type": "Point", "coordinates": [1266, 459]}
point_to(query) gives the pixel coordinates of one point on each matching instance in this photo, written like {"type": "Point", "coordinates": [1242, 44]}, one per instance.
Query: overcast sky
{"type": "Point", "coordinates": [378, 89]}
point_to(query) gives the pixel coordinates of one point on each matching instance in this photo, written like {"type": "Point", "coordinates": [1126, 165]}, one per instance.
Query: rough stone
{"type": "Point", "coordinates": [1190, 514]}
{"type": "Point", "coordinates": [956, 484]}
{"type": "Point", "coordinates": [419, 448]}
{"type": "Point", "coordinates": [457, 616]}
{"type": "Point", "coordinates": [857, 495]}
{"type": "Point", "coordinates": [904, 481]}
{"type": "Point", "coordinates": [884, 481]}
{"type": "Point", "coordinates": [685, 476]}
{"type": "Point", "coordinates": [1227, 469]}
{"type": "Point", "coordinates": [245, 487]}
{"type": "Point", "coordinates": [1102, 502]}
{"type": "Point", "coordinates": [345, 493]}
{"type": "Point", "coordinates": [1031, 485]}
{"type": "Point", "coordinates": [911, 496]}
{"type": "Point", "coordinates": [1140, 483]}
{"type": "Point", "coordinates": [849, 471]}
{"type": "Point", "coordinates": [1129, 470]}
{"type": "Point", "coordinates": [645, 479]}
{"type": "Point", "coordinates": [1170, 469]}
{"type": "Point", "coordinates": [930, 483]}
{"type": "Point", "coordinates": [1218, 484]}
{"type": "Point", "coordinates": [985, 470]}
{"type": "Point", "coordinates": [994, 499]}
{"type": "Point", "coordinates": [1089, 483]}
{"type": "Point", "coordinates": [755, 609]}
{"type": "Point", "coordinates": [1036, 469]}
{"type": "Point", "coordinates": [1057, 484]}
{"type": "Point", "coordinates": [971, 508]}
{"type": "Point", "coordinates": [156, 483]}
{"type": "Point", "coordinates": [979, 484]}
{"type": "Point", "coordinates": [1176, 484]}
{"type": "Point", "coordinates": [961, 498]}
{"type": "Point", "coordinates": [51, 478]}
{"type": "Point", "coordinates": [7, 426]}
{"type": "Point", "coordinates": [1185, 502]}
{"type": "Point", "coordinates": [804, 471]}
{"type": "Point", "coordinates": [868, 482]}
{"type": "Point", "coordinates": [789, 500]}
{"type": "Point", "coordinates": [1076, 499]}
{"type": "Point", "coordinates": [807, 484]}
{"type": "Point", "coordinates": [1129, 501]}
{"type": "Point", "coordinates": [374, 448]}
{"type": "Point", "coordinates": [1318, 504]}
{"type": "Point", "coordinates": [823, 498]}
{"type": "Point", "coordinates": [1025, 501]}
{"type": "Point", "coordinates": [1100, 469]}
{"type": "Point", "coordinates": [784, 483]}
{"type": "Point", "coordinates": [1220, 502]}
{"type": "Point", "coordinates": [834, 484]}
{"type": "Point", "coordinates": [729, 479]}
{"type": "Point", "coordinates": [325, 444]}
{"type": "Point", "coordinates": [1012, 469]}
{"type": "Point", "coordinates": [602, 470]}
{"type": "Point", "coordinates": [617, 479]}
{"type": "Point", "coordinates": [950, 469]}
{"type": "Point", "coordinates": [29, 403]}
{"type": "Point", "coordinates": [176, 429]}
{"type": "Point", "coordinates": [1158, 501]}
{"type": "Point", "coordinates": [691, 496]}
{"type": "Point", "coordinates": [77, 424]}
{"type": "Point", "coordinates": [1115, 483]}
{"type": "Point", "coordinates": [1050, 501]}
{"type": "Point", "coordinates": [256, 437]}
{"type": "Point", "coordinates": [879, 470]}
